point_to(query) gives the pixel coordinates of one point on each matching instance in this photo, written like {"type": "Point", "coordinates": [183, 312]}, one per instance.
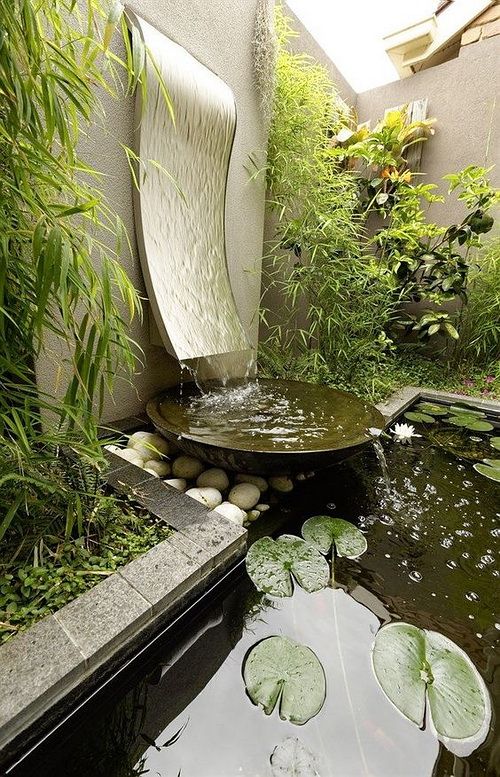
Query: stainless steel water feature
{"type": "Point", "coordinates": [180, 206]}
{"type": "Point", "coordinates": [180, 224]}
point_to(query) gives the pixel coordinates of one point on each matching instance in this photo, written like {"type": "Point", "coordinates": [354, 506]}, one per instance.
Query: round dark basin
{"type": "Point", "coordinates": [265, 426]}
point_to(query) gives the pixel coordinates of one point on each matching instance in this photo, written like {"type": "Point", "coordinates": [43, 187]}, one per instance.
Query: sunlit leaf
{"type": "Point", "coordinates": [413, 665]}
{"type": "Point", "coordinates": [280, 672]}
{"type": "Point", "coordinates": [273, 564]}
{"type": "Point", "coordinates": [323, 531]}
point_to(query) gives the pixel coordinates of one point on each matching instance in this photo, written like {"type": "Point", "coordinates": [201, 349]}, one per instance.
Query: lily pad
{"type": "Point", "coordinates": [422, 418]}
{"type": "Point", "coordinates": [465, 409]}
{"type": "Point", "coordinates": [429, 408]}
{"type": "Point", "coordinates": [272, 563]}
{"type": "Point", "coordinates": [292, 759]}
{"type": "Point", "coordinates": [489, 470]}
{"type": "Point", "coordinates": [412, 665]}
{"type": "Point", "coordinates": [469, 421]}
{"type": "Point", "coordinates": [495, 443]}
{"type": "Point", "coordinates": [281, 672]}
{"type": "Point", "coordinates": [322, 531]}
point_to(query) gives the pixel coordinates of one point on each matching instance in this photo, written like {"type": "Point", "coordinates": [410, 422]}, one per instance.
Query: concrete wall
{"type": "Point", "coordinates": [462, 97]}
{"type": "Point", "coordinates": [219, 33]}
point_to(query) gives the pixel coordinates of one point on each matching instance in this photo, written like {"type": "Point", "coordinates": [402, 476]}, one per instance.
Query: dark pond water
{"type": "Point", "coordinates": [432, 560]}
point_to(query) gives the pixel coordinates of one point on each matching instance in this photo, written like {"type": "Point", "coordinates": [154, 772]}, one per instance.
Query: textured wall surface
{"type": "Point", "coordinates": [219, 34]}
{"type": "Point", "coordinates": [462, 97]}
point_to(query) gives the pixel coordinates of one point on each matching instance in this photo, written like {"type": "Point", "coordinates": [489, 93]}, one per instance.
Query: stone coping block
{"type": "Point", "coordinates": [402, 399]}
{"type": "Point", "coordinates": [35, 668]}
{"type": "Point", "coordinates": [88, 636]}
{"type": "Point", "coordinates": [102, 618]}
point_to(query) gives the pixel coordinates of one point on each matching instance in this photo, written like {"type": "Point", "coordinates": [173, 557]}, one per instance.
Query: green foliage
{"type": "Point", "coordinates": [480, 318]}
{"type": "Point", "coordinates": [333, 309]}
{"type": "Point", "coordinates": [64, 296]}
{"type": "Point", "coordinates": [30, 591]}
{"type": "Point", "coordinates": [334, 303]}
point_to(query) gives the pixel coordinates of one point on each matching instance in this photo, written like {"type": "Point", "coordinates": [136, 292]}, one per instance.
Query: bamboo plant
{"type": "Point", "coordinates": [61, 246]}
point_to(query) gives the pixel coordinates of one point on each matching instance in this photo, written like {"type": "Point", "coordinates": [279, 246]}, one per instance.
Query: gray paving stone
{"type": "Point", "coordinates": [173, 506]}
{"type": "Point", "coordinates": [399, 401]}
{"type": "Point", "coordinates": [163, 574]}
{"type": "Point", "coordinates": [103, 618]}
{"type": "Point", "coordinates": [217, 534]}
{"type": "Point", "coordinates": [129, 479]}
{"type": "Point", "coordinates": [35, 667]}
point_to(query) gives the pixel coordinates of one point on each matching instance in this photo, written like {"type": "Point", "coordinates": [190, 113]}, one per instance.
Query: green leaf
{"type": "Point", "coordinates": [283, 673]}
{"type": "Point", "coordinates": [495, 443]}
{"type": "Point", "coordinates": [411, 664]}
{"type": "Point", "coordinates": [493, 463]}
{"type": "Point", "coordinates": [271, 563]}
{"type": "Point", "coordinates": [480, 426]}
{"type": "Point", "coordinates": [464, 408]}
{"type": "Point", "coordinates": [114, 16]}
{"type": "Point", "coordinates": [322, 532]}
{"type": "Point", "coordinates": [492, 473]}
{"type": "Point", "coordinates": [419, 417]}
{"type": "Point", "coordinates": [429, 408]}
{"type": "Point", "coordinates": [292, 759]}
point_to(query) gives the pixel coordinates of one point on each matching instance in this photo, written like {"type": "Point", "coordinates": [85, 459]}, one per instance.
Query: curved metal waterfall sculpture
{"type": "Point", "coordinates": [180, 205]}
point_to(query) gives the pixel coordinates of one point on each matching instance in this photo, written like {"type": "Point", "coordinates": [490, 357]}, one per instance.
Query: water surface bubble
{"type": "Point", "coordinates": [472, 596]}
{"type": "Point", "coordinates": [415, 576]}
{"type": "Point", "coordinates": [332, 506]}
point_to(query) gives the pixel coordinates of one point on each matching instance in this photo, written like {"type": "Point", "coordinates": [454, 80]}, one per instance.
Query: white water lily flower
{"type": "Point", "coordinates": [404, 432]}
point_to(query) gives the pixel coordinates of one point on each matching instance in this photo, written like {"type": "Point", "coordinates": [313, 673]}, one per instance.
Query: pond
{"type": "Point", "coordinates": [431, 561]}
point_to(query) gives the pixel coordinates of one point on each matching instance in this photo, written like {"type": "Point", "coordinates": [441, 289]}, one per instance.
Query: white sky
{"type": "Point", "coordinates": [351, 32]}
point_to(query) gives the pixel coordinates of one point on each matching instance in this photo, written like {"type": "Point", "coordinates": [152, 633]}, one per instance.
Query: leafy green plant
{"type": "Point", "coordinates": [479, 321]}
{"type": "Point", "coordinates": [334, 303]}
{"type": "Point", "coordinates": [61, 244]}
{"type": "Point", "coordinates": [64, 568]}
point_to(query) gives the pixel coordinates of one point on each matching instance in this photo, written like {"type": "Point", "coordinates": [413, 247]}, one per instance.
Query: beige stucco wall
{"type": "Point", "coordinates": [462, 97]}
{"type": "Point", "coordinates": [219, 33]}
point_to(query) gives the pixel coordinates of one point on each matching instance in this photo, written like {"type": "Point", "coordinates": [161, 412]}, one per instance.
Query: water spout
{"type": "Point", "coordinates": [379, 453]}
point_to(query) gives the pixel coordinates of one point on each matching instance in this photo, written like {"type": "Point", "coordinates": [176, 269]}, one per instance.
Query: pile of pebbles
{"type": "Point", "coordinates": [240, 497]}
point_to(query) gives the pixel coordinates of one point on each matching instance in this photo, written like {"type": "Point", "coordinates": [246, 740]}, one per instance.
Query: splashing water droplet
{"type": "Point", "coordinates": [472, 596]}
{"type": "Point", "coordinates": [415, 576]}
{"type": "Point", "coordinates": [331, 506]}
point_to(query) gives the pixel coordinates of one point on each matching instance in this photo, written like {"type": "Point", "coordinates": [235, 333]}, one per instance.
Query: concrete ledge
{"type": "Point", "coordinates": [402, 399]}
{"type": "Point", "coordinates": [63, 654]}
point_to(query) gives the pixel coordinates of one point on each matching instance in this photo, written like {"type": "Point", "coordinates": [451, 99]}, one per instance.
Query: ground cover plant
{"type": "Point", "coordinates": [64, 296]}
{"type": "Point", "coordinates": [353, 246]}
